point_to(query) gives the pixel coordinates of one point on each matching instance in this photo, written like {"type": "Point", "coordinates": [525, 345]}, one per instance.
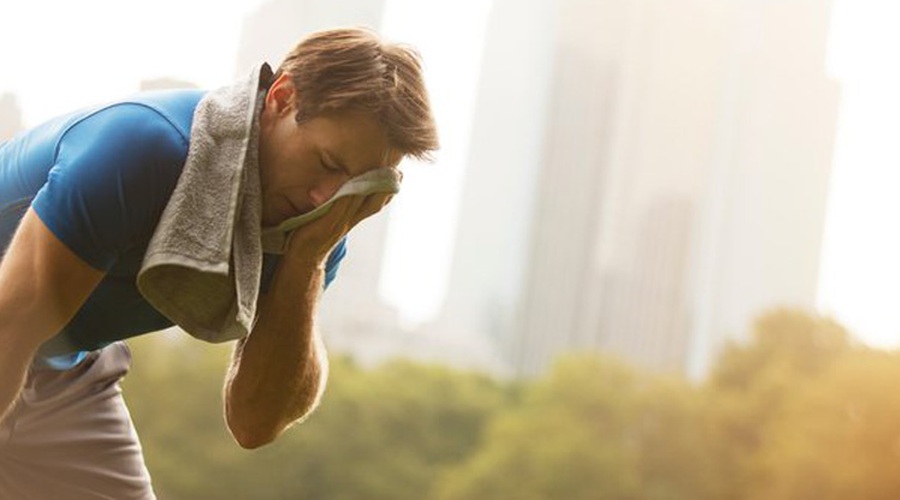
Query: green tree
{"type": "Point", "coordinates": [839, 435]}
{"type": "Point", "coordinates": [753, 381]}
{"type": "Point", "coordinates": [382, 433]}
{"type": "Point", "coordinates": [795, 412]}
{"type": "Point", "coordinates": [568, 439]}
{"type": "Point", "coordinates": [680, 453]}
{"type": "Point", "coordinates": [388, 432]}
{"type": "Point", "coordinates": [174, 395]}
{"type": "Point", "coordinates": [593, 429]}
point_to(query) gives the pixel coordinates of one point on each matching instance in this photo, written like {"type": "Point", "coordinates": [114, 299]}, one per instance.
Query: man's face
{"type": "Point", "coordinates": [303, 165]}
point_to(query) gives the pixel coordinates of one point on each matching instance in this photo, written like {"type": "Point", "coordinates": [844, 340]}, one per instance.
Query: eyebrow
{"type": "Point", "coordinates": [336, 161]}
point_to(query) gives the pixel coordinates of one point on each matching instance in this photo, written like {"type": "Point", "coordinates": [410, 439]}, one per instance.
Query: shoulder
{"type": "Point", "coordinates": [113, 172]}
{"type": "Point", "coordinates": [151, 125]}
{"type": "Point", "coordinates": [176, 107]}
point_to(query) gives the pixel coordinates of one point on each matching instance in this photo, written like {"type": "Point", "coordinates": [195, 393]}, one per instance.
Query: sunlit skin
{"type": "Point", "coordinates": [303, 165]}
{"type": "Point", "coordinates": [276, 373]}
{"type": "Point", "coordinates": [278, 370]}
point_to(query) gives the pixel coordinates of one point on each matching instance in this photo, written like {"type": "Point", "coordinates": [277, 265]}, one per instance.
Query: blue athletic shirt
{"type": "Point", "coordinates": [99, 179]}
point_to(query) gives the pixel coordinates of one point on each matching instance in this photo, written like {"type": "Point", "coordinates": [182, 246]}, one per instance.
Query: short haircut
{"type": "Point", "coordinates": [353, 69]}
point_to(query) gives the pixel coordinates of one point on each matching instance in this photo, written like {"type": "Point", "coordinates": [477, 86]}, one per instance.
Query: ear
{"type": "Point", "coordinates": [281, 96]}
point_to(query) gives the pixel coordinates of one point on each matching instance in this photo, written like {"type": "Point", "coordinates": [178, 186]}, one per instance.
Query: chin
{"type": "Point", "coordinates": [269, 220]}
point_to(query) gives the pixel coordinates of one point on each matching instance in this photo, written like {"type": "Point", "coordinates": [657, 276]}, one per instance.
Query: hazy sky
{"type": "Point", "coordinates": [860, 277]}
{"type": "Point", "coordinates": [63, 65]}
{"type": "Point", "coordinates": [422, 227]}
{"type": "Point", "coordinates": [60, 55]}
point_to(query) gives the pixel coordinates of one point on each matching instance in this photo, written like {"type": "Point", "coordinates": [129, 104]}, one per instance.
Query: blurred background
{"type": "Point", "coordinates": [655, 257]}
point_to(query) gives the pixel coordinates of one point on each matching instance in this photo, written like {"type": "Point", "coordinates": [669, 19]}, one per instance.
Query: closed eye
{"type": "Point", "coordinates": [333, 164]}
{"type": "Point", "coordinates": [328, 167]}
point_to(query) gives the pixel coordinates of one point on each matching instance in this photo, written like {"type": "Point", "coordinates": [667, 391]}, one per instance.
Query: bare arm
{"type": "Point", "coordinates": [42, 286]}
{"type": "Point", "coordinates": [276, 374]}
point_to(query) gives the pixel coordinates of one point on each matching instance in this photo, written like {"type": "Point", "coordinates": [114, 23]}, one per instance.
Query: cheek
{"type": "Point", "coordinates": [291, 160]}
{"type": "Point", "coordinates": [294, 177]}
{"type": "Point", "coordinates": [270, 160]}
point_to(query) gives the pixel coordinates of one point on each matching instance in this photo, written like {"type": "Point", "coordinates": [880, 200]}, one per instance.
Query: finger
{"type": "Point", "coordinates": [326, 230]}
{"type": "Point", "coordinates": [344, 206]}
{"type": "Point", "coordinates": [332, 224]}
{"type": "Point", "coordinates": [341, 213]}
{"type": "Point", "coordinates": [373, 204]}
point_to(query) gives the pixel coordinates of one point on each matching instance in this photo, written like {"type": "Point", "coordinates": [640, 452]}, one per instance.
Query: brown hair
{"type": "Point", "coordinates": [352, 68]}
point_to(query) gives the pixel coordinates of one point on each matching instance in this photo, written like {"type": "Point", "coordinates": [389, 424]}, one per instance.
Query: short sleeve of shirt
{"type": "Point", "coordinates": [113, 174]}
{"type": "Point", "coordinates": [334, 261]}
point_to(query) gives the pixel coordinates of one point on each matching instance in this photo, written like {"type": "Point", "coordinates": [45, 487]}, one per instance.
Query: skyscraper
{"type": "Point", "coordinates": [765, 203]}
{"type": "Point", "coordinates": [677, 187]}
{"type": "Point", "coordinates": [489, 258]}
{"type": "Point", "coordinates": [560, 288]}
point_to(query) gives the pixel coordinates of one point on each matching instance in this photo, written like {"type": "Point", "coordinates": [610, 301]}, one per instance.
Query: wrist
{"type": "Point", "coordinates": [298, 273]}
{"type": "Point", "coordinates": [307, 252]}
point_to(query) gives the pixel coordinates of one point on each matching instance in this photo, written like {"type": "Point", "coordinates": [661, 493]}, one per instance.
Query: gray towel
{"type": "Point", "coordinates": [380, 180]}
{"type": "Point", "coordinates": [203, 265]}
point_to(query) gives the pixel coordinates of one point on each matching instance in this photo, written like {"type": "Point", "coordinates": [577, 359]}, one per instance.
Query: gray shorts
{"type": "Point", "coordinates": [69, 436]}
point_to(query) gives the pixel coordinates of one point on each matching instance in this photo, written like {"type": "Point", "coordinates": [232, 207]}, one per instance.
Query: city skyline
{"type": "Point", "coordinates": [654, 114]}
{"type": "Point", "coordinates": [37, 104]}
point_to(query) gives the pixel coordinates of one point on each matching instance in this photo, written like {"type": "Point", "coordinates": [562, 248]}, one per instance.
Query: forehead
{"type": "Point", "coordinates": [355, 139]}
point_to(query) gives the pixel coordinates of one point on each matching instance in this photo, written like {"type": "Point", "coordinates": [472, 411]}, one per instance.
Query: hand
{"type": "Point", "coordinates": [313, 242]}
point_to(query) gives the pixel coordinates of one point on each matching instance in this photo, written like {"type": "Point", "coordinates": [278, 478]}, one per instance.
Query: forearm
{"type": "Point", "coordinates": [14, 361]}
{"type": "Point", "coordinates": [42, 285]}
{"type": "Point", "coordinates": [276, 374]}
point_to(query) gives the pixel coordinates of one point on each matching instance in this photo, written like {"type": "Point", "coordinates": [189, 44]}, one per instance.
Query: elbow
{"type": "Point", "coordinates": [256, 420]}
{"type": "Point", "coordinates": [252, 436]}
{"type": "Point", "coordinates": [252, 440]}
{"type": "Point", "coordinates": [251, 430]}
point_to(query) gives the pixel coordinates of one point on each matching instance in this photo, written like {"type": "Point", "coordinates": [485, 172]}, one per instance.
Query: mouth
{"type": "Point", "coordinates": [298, 209]}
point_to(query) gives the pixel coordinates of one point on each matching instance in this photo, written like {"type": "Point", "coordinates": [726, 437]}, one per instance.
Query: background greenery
{"type": "Point", "coordinates": [799, 411]}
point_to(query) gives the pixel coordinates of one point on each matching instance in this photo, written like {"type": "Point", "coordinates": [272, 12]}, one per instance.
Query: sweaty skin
{"type": "Point", "coordinates": [276, 374]}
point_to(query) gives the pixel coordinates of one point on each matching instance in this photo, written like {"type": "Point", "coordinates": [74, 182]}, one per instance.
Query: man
{"type": "Point", "coordinates": [80, 199]}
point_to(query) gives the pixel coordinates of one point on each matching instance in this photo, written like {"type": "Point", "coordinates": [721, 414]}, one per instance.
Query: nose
{"type": "Point", "coordinates": [325, 189]}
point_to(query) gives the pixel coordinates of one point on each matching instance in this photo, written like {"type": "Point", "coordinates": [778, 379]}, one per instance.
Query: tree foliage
{"type": "Point", "coordinates": [566, 440]}
{"type": "Point", "coordinates": [754, 380]}
{"type": "Point", "coordinates": [840, 436]}
{"type": "Point", "coordinates": [796, 411]}
{"type": "Point", "coordinates": [383, 433]}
